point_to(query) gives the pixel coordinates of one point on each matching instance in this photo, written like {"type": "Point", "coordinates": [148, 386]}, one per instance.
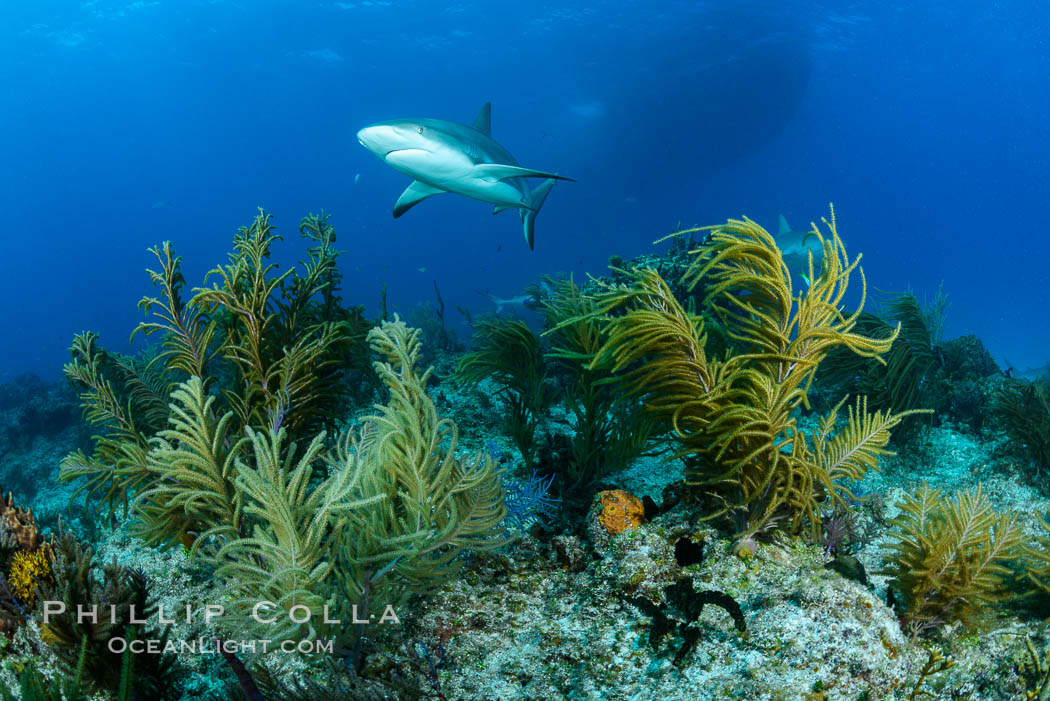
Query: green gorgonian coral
{"type": "Point", "coordinates": [393, 516]}
{"type": "Point", "coordinates": [265, 342]}
{"type": "Point", "coordinates": [903, 380]}
{"type": "Point", "coordinates": [395, 509]}
{"type": "Point", "coordinates": [220, 442]}
{"type": "Point", "coordinates": [436, 504]}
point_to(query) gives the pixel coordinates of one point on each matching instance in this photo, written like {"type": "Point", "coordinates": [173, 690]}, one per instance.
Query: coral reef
{"type": "Point", "coordinates": [19, 523]}
{"type": "Point", "coordinates": [795, 557]}
{"type": "Point", "coordinates": [527, 627]}
{"type": "Point", "coordinates": [25, 560]}
{"type": "Point", "coordinates": [31, 408]}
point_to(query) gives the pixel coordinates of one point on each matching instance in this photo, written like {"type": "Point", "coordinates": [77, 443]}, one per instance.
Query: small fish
{"type": "Point", "coordinates": [422, 270]}
{"type": "Point", "coordinates": [357, 179]}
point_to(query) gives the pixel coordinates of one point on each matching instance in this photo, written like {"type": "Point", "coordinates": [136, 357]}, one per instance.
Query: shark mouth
{"type": "Point", "coordinates": [400, 150]}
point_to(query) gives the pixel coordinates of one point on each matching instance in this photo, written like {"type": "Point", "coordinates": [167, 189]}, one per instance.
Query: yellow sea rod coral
{"type": "Point", "coordinates": [951, 558]}
{"type": "Point", "coordinates": [734, 413]}
{"type": "Point", "coordinates": [28, 569]}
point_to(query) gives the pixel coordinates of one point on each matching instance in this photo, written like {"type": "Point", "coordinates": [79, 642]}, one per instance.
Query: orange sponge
{"type": "Point", "coordinates": [620, 511]}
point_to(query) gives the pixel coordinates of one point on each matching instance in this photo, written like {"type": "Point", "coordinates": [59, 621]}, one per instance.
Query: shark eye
{"type": "Point", "coordinates": [419, 129]}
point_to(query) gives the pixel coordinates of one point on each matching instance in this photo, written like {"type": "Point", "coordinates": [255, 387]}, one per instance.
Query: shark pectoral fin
{"type": "Point", "coordinates": [483, 122]}
{"type": "Point", "coordinates": [499, 171]}
{"type": "Point", "coordinates": [782, 226]}
{"type": "Point", "coordinates": [413, 195]}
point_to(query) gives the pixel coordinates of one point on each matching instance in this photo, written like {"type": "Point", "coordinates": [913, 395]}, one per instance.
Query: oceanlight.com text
{"type": "Point", "coordinates": [212, 646]}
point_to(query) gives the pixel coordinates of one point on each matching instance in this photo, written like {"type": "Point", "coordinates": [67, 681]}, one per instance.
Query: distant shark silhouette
{"type": "Point", "coordinates": [1033, 373]}
{"type": "Point", "coordinates": [445, 156]}
{"type": "Point", "coordinates": [795, 247]}
{"type": "Point", "coordinates": [527, 301]}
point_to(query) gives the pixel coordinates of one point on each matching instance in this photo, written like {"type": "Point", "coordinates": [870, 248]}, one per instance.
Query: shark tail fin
{"type": "Point", "coordinates": [528, 216]}
{"type": "Point", "coordinates": [494, 299]}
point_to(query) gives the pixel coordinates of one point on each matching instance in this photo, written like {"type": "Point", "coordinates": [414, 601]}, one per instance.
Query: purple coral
{"type": "Point", "coordinates": [529, 500]}
{"type": "Point", "coordinates": [840, 531]}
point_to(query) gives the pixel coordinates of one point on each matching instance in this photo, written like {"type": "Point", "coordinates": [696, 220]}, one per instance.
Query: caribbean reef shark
{"type": "Point", "coordinates": [527, 301]}
{"type": "Point", "coordinates": [443, 156]}
{"type": "Point", "coordinates": [795, 246]}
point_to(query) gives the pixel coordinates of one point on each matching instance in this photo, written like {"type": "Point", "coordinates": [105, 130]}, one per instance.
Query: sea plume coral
{"type": "Point", "coordinates": [222, 440]}
{"type": "Point", "coordinates": [387, 512]}
{"type": "Point", "coordinates": [510, 354]}
{"type": "Point", "coordinates": [437, 503]}
{"type": "Point", "coordinates": [1024, 408]}
{"type": "Point", "coordinates": [265, 343]}
{"type": "Point", "coordinates": [734, 415]}
{"type": "Point", "coordinates": [611, 429]}
{"type": "Point", "coordinates": [949, 556]}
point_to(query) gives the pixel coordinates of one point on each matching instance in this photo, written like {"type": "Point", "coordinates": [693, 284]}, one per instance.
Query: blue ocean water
{"type": "Point", "coordinates": [126, 124]}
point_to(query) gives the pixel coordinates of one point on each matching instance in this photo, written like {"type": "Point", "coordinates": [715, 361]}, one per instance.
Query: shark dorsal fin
{"type": "Point", "coordinates": [782, 227]}
{"type": "Point", "coordinates": [483, 122]}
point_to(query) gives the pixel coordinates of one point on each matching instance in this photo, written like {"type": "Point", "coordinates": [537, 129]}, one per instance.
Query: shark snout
{"type": "Point", "coordinates": [381, 139]}
{"type": "Point", "coordinates": [368, 137]}
{"type": "Point", "coordinates": [402, 146]}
